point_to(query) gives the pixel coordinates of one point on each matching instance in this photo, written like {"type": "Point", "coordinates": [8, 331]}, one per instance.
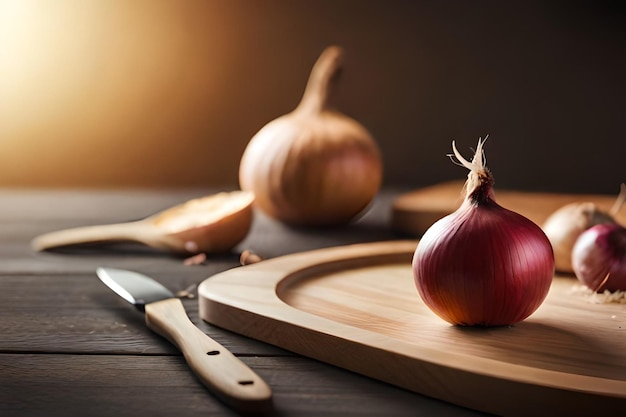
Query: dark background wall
{"type": "Point", "coordinates": [168, 93]}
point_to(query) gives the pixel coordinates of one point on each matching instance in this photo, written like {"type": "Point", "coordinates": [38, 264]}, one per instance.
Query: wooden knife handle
{"type": "Point", "coordinates": [221, 371]}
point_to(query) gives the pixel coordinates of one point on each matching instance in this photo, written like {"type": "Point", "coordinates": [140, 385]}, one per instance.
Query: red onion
{"type": "Point", "coordinates": [483, 265]}
{"type": "Point", "coordinates": [599, 258]}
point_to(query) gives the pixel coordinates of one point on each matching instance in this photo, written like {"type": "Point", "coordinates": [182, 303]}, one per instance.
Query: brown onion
{"type": "Point", "coordinates": [564, 226]}
{"type": "Point", "coordinates": [483, 265]}
{"type": "Point", "coordinates": [599, 258]}
{"type": "Point", "coordinates": [313, 166]}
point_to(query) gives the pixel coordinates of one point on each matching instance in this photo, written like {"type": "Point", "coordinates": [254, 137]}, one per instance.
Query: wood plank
{"type": "Point", "coordinates": [266, 237]}
{"type": "Point", "coordinates": [91, 205]}
{"type": "Point", "coordinates": [131, 386]}
{"type": "Point", "coordinates": [58, 305]}
{"type": "Point", "coordinates": [70, 346]}
{"type": "Point", "coordinates": [78, 314]}
{"type": "Point", "coordinates": [568, 357]}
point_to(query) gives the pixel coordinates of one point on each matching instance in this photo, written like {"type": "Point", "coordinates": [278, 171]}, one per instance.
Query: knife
{"type": "Point", "coordinates": [220, 371]}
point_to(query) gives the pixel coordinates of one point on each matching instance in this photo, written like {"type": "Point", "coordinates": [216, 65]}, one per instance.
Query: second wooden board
{"type": "Point", "coordinates": [415, 211]}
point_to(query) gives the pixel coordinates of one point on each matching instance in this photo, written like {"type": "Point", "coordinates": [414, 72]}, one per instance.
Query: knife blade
{"type": "Point", "coordinates": [220, 371]}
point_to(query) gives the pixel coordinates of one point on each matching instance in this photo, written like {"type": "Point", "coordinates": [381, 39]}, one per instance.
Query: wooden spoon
{"type": "Point", "coordinates": [210, 224]}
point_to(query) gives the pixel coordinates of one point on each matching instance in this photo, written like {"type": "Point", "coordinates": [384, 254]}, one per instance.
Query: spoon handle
{"type": "Point", "coordinates": [131, 231]}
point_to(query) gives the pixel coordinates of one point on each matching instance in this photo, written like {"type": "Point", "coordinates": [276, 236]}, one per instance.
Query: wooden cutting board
{"type": "Point", "coordinates": [356, 307]}
{"type": "Point", "coordinates": [415, 211]}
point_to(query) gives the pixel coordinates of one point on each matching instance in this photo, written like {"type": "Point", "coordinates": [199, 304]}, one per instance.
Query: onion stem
{"type": "Point", "coordinates": [479, 161]}
{"type": "Point", "coordinates": [478, 187]}
{"type": "Point", "coordinates": [326, 68]}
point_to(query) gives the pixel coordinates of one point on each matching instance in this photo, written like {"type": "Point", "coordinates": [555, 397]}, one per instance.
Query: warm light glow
{"type": "Point", "coordinates": [88, 83]}
{"type": "Point", "coordinates": [40, 70]}
{"type": "Point", "coordinates": [46, 69]}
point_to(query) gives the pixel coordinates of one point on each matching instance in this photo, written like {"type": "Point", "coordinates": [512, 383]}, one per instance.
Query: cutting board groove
{"type": "Point", "coordinates": [356, 307]}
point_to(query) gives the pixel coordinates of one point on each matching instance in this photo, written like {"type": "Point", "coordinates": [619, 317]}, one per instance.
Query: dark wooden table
{"type": "Point", "coordinates": [70, 346]}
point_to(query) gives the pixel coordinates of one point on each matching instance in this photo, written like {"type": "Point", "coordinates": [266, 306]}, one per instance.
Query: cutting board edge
{"type": "Point", "coordinates": [209, 306]}
{"type": "Point", "coordinates": [216, 308]}
{"type": "Point", "coordinates": [530, 399]}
